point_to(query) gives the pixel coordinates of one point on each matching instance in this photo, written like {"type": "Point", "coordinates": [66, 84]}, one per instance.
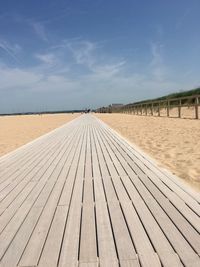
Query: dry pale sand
{"type": "Point", "coordinates": [175, 143]}
{"type": "Point", "coordinates": [16, 131]}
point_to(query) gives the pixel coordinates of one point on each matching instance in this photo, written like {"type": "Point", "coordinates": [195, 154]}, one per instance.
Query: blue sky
{"type": "Point", "coordinates": [64, 54]}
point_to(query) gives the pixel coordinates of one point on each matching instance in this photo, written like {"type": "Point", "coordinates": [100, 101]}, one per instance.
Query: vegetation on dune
{"type": "Point", "coordinates": [188, 93]}
{"type": "Point", "coordinates": [174, 95]}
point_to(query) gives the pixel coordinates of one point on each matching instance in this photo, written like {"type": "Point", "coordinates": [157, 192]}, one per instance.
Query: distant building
{"type": "Point", "coordinates": [116, 105]}
{"type": "Point", "coordinates": [109, 109]}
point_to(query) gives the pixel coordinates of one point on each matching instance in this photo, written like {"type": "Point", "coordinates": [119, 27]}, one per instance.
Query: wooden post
{"type": "Point", "coordinates": [197, 108]}
{"type": "Point", "coordinates": [179, 109]}
{"type": "Point", "coordinates": [168, 107]}
{"type": "Point", "coordinates": [152, 109]}
{"type": "Point", "coordinates": [146, 109]}
{"type": "Point", "coordinates": [158, 109]}
{"type": "Point", "coordinates": [137, 109]}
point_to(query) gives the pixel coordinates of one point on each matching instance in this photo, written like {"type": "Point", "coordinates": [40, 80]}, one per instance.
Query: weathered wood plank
{"type": "Point", "coordinates": [188, 256]}
{"type": "Point", "coordinates": [70, 245]}
{"type": "Point", "coordinates": [191, 235]}
{"type": "Point", "coordinates": [83, 196]}
{"type": "Point", "coordinates": [35, 245]}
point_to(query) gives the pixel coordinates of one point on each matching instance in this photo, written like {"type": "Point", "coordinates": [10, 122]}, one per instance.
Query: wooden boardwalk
{"type": "Point", "coordinates": [83, 196]}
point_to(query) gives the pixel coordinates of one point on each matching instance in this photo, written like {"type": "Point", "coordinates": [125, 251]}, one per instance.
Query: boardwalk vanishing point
{"type": "Point", "coordinates": [82, 195]}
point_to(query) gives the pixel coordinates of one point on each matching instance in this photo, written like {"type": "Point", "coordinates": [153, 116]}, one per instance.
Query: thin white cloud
{"type": "Point", "coordinates": [10, 49]}
{"type": "Point", "coordinates": [85, 90]}
{"type": "Point", "coordinates": [40, 30]}
{"type": "Point", "coordinates": [86, 53]}
{"type": "Point", "coordinates": [46, 58]}
{"type": "Point", "coordinates": [101, 77]}
{"type": "Point", "coordinates": [157, 66]}
{"type": "Point", "coordinates": [11, 78]}
{"type": "Point", "coordinates": [109, 69]}
{"type": "Point", "coordinates": [82, 51]}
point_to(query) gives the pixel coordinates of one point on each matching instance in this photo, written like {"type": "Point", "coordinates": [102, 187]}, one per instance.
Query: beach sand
{"type": "Point", "coordinates": [16, 131]}
{"type": "Point", "coordinates": [174, 143]}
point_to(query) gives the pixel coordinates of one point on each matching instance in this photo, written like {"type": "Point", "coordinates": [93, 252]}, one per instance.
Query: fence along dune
{"type": "Point", "coordinates": [173, 142]}
{"type": "Point", "coordinates": [181, 107]}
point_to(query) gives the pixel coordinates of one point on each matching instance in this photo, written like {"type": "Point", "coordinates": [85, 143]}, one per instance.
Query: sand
{"type": "Point", "coordinates": [16, 131]}
{"type": "Point", "coordinates": [174, 143]}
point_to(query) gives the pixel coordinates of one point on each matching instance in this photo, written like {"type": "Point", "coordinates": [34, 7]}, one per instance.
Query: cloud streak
{"type": "Point", "coordinates": [10, 50]}
{"type": "Point", "coordinates": [54, 77]}
{"type": "Point", "coordinates": [40, 30]}
{"type": "Point", "coordinates": [157, 66]}
{"type": "Point", "coordinates": [49, 59]}
{"type": "Point", "coordinates": [82, 52]}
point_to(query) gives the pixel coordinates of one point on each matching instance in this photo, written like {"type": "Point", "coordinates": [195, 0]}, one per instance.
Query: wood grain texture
{"type": "Point", "coordinates": [83, 196]}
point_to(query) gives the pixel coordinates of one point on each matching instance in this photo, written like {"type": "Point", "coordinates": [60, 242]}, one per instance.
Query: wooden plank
{"type": "Point", "coordinates": [71, 171]}
{"type": "Point", "coordinates": [10, 212]}
{"type": "Point", "coordinates": [17, 220]}
{"type": "Point", "coordinates": [48, 139]}
{"type": "Point", "coordinates": [157, 235]}
{"type": "Point", "coordinates": [69, 249]}
{"type": "Point", "coordinates": [112, 164]}
{"type": "Point", "coordinates": [133, 150]}
{"type": "Point", "coordinates": [70, 245]}
{"type": "Point", "coordinates": [106, 245]}
{"type": "Point", "coordinates": [32, 172]}
{"type": "Point", "coordinates": [123, 241]}
{"type": "Point", "coordinates": [17, 246]}
{"type": "Point", "coordinates": [142, 243]}
{"type": "Point", "coordinates": [24, 157]}
{"type": "Point", "coordinates": [145, 251]}
{"type": "Point", "coordinates": [182, 194]}
{"type": "Point", "coordinates": [122, 237]}
{"type": "Point", "coordinates": [51, 250]}
{"type": "Point", "coordinates": [88, 242]}
{"type": "Point", "coordinates": [191, 235]}
{"type": "Point", "coordinates": [45, 171]}
{"type": "Point", "coordinates": [19, 171]}
{"type": "Point", "coordinates": [11, 157]}
{"type": "Point", "coordinates": [180, 245]}
{"type": "Point", "coordinates": [33, 164]}
{"type": "Point", "coordinates": [35, 245]}
{"type": "Point", "coordinates": [110, 192]}
{"type": "Point", "coordinates": [88, 264]}
{"type": "Point", "coordinates": [183, 224]}
{"type": "Point", "coordinates": [129, 263]}
{"type": "Point", "coordinates": [82, 204]}
{"type": "Point", "coordinates": [161, 244]}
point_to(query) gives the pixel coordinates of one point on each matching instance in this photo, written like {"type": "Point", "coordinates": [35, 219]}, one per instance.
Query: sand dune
{"type": "Point", "coordinates": [16, 131]}
{"type": "Point", "coordinates": [174, 143]}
